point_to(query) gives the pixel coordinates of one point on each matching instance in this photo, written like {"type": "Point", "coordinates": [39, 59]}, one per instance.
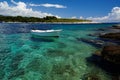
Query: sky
{"type": "Point", "coordinates": [96, 10]}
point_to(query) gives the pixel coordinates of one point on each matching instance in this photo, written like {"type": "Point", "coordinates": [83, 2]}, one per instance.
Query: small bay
{"type": "Point", "coordinates": [62, 58]}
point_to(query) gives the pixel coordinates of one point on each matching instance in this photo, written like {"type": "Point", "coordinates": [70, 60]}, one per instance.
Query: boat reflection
{"type": "Point", "coordinates": [43, 39]}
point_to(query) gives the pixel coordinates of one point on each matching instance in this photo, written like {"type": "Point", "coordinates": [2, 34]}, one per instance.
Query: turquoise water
{"type": "Point", "coordinates": [25, 58]}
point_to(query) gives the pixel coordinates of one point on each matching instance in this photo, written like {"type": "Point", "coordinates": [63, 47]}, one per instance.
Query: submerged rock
{"type": "Point", "coordinates": [91, 76]}
{"type": "Point", "coordinates": [97, 43]}
{"type": "Point", "coordinates": [116, 26]}
{"type": "Point", "coordinates": [97, 34]}
{"type": "Point", "coordinates": [111, 53]}
{"type": "Point", "coordinates": [115, 36]}
{"type": "Point", "coordinates": [108, 59]}
{"type": "Point", "coordinates": [101, 29]}
{"type": "Point", "coordinates": [113, 33]}
{"type": "Point", "coordinates": [117, 77]}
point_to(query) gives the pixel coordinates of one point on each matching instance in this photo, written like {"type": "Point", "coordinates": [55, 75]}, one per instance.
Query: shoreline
{"type": "Point", "coordinates": [58, 22]}
{"type": "Point", "coordinates": [66, 22]}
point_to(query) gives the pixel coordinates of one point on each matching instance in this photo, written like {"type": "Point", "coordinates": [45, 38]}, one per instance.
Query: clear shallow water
{"type": "Point", "coordinates": [63, 58]}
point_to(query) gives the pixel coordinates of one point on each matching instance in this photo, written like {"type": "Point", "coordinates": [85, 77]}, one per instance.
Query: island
{"type": "Point", "coordinates": [47, 19]}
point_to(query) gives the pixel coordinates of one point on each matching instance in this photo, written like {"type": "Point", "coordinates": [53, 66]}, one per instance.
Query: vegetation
{"type": "Point", "coordinates": [35, 19]}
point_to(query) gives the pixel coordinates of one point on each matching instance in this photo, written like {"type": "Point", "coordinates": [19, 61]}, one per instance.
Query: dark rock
{"type": "Point", "coordinates": [101, 29]}
{"type": "Point", "coordinates": [97, 43]}
{"type": "Point", "coordinates": [111, 42]}
{"type": "Point", "coordinates": [104, 64]}
{"type": "Point", "coordinates": [95, 59]}
{"type": "Point", "coordinates": [97, 34]}
{"type": "Point", "coordinates": [98, 53]}
{"type": "Point", "coordinates": [111, 53]}
{"type": "Point", "coordinates": [94, 35]}
{"type": "Point", "coordinates": [108, 59]}
{"type": "Point", "coordinates": [116, 77]}
{"type": "Point", "coordinates": [91, 76]}
{"type": "Point", "coordinates": [115, 36]}
{"type": "Point", "coordinates": [116, 26]}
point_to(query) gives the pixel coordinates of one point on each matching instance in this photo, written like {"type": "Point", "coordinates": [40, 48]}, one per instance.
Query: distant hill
{"type": "Point", "coordinates": [35, 19]}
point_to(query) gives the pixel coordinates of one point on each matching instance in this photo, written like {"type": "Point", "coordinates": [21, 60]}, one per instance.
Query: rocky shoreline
{"type": "Point", "coordinates": [111, 53]}
{"type": "Point", "coordinates": [114, 36]}
{"type": "Point", "coordinates": [108, 57]}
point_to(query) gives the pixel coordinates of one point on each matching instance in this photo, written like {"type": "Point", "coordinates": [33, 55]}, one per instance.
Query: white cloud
{"type": "Point", "coordinates": [113, 16]}
{"type": "Point", "coordinates": [81, 17]}
{"type": "Point", "coordinates": [49, 5]}
{"type": "Point", "coordinates": [20, 9]}
{"type": "Point", "coordinates": [74, 17]}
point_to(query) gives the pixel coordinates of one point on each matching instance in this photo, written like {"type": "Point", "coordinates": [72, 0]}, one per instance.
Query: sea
{"type": "Point", "coordinates": [23, 57]}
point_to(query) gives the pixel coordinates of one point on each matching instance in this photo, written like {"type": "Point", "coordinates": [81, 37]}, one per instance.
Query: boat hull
{"type": "Point", "coordinates": [47, 34]}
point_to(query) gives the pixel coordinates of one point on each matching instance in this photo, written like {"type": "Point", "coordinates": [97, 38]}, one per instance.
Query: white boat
{"type": "Point", "coordinates": [48, 33]}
